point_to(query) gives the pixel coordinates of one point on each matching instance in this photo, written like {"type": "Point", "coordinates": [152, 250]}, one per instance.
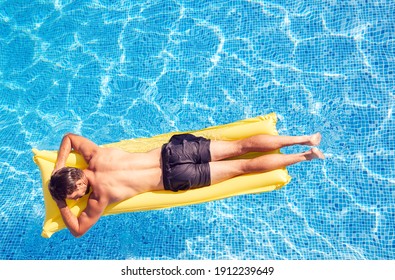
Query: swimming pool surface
{"type": "Point", "coordinates": [112, 70]}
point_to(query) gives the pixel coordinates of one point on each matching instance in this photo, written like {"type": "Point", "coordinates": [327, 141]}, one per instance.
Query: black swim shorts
{"type": "Point", "coordinates": [185, 162]}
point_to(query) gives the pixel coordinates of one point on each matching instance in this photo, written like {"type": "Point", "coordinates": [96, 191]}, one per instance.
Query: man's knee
{"type": "Point", "coordinates": [243, 146]}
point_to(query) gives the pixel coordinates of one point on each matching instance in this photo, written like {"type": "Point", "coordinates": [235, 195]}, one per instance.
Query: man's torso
{"type": "Point", "coordinates": [119, 175]}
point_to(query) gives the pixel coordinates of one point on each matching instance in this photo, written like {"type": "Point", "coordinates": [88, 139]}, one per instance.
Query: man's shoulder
{"type": "Point", "coordinates": [98, 198]}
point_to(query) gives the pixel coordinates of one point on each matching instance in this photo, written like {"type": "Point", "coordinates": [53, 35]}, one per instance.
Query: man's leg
{"type": "Point", "coordinates": [224, 170]}
{"type": "Point", "coordinates": [258, 143]}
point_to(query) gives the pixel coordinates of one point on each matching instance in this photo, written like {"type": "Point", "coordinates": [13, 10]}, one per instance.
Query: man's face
{"type": "Point", "coordinates": [81, 190]}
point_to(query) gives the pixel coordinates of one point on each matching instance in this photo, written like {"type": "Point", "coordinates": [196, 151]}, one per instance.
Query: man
{"type": "Point", "coordinates": [185, 162]}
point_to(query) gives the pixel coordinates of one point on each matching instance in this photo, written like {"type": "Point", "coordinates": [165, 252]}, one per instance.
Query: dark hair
{"type": "Point", "coordinates": [63, 182]}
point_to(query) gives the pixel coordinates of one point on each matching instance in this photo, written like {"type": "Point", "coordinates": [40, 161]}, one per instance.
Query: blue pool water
{"type": "Point", "coordinates": [112, 70]}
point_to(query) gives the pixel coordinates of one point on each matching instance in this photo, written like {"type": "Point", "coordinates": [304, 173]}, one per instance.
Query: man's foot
{"type": "Point", "coordinates": [314, 153]}
{"type": "Point", "coordinates": [314, 139]}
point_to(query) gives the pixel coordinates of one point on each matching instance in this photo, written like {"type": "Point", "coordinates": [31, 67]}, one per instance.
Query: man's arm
{"type": "Point", "coordinates": [91, 214]}
{"type": "Point", "coordinates": [94, 209]}
{"type": "Point", "coordinates": [78, 143]}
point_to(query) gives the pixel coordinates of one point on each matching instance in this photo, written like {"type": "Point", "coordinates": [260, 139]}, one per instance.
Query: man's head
{"type": "Point", "coordinates": [68, 182]}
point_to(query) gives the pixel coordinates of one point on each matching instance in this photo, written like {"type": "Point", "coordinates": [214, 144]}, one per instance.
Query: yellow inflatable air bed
{"type": "Point", "coordinates": [246, 184]}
